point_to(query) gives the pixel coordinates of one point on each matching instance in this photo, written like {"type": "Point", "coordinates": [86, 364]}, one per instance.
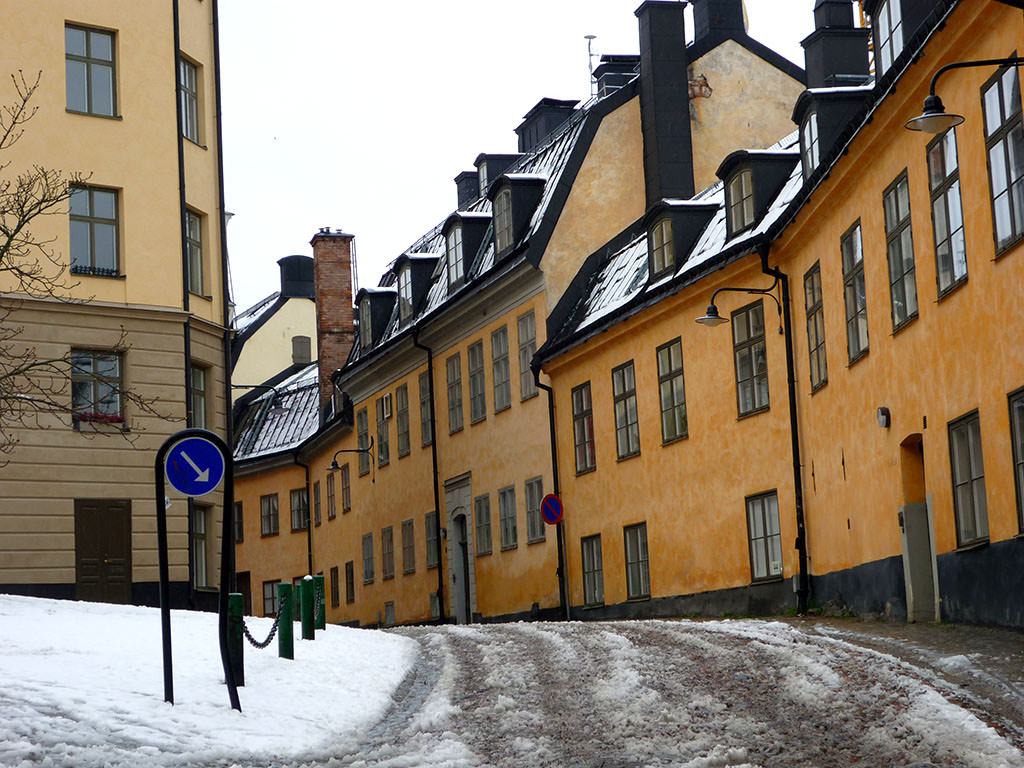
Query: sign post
{"type": "Point", "coordinates": [195, 461]}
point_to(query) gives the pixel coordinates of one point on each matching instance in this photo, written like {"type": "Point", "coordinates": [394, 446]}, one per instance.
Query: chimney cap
{"type": "Point", "coordinates": [328, 232]}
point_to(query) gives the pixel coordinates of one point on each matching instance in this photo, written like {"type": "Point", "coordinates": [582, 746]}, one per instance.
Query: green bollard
{"type": "Point", "coordinates": [285, 633]}
{"type": "Point", "coordinates": [236, 646]}
{"type": "Point", "coordinates": [307, 608]}
{"type": "Point", "coordinates": [320, 619]}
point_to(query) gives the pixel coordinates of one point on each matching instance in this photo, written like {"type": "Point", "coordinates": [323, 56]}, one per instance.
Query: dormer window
{"type": "Point", "coordinates": [889, 33]}
{"type": "Point", "coordinates": [809, 144]}
{"type": "Point", "coordinates": [453, 254]}
{"type": "Point", "coordinates": [481, 172]}
{"type": "Point", "coordinates": [405, 294]}
{"type": "Point", "coordinates": [503, 220]}
{"type": "Point", "coordinates": [662, 253]}
{"type": "Point", "coordinates": [365, 336]}
{"type": "Point", "coordinates": [740, 201]}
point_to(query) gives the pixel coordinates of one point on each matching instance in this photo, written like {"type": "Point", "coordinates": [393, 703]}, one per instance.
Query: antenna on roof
{"type": "Point", "coordinates": [590, 64]}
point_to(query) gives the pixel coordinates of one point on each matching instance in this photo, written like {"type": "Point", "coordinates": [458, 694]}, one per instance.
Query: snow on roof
{"type": "Point", "coordinates": [244, 319]}
{"type": "Point", "coordinates": [281, 417]}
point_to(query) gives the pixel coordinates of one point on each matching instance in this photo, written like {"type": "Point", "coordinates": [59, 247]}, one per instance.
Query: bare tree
{"type": "Point", "coordinates": [36, 388]}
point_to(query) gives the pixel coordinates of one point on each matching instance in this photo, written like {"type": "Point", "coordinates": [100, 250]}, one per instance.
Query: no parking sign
{"type": "Point", "coordinates": [551, 509]}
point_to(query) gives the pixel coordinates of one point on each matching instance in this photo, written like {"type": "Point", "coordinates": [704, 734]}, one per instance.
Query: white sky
{"type": "Point", "coordinates": [358, 115]}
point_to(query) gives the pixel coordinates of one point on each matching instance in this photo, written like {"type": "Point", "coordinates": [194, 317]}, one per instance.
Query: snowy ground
{"type": "Point", "coordinates": [82, 687]}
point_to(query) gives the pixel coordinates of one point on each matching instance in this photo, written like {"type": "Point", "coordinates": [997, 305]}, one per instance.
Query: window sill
{"type": "Point", "coordinates": [365, 582]}
{"type": "Point", "coordinates": [268, 535]}
{"type": "Point", "coordinates": [638, 599]}
{"type": "Point", "coordinates": [510, 547]}
{"type": "Point", "coordinates": [909, 321]}
{"type": "Point", "coordinates": [408, 571]}
{"type": "Point", "coordinates": [755, 412]}
{"type": "Point", "coordinates": [403, 455]}
{"type": "Point", "coordinates": [488, 552]}
{"type": "Point", "coordinates": [592, 606]}
{"type": "Point", "coordinates": [477, 421]}
{"type": "Point", "coordinates": [1004, 249]}
{"type": "Point", "coordinates": [951, 288]}
{"type": "Point", "coordinates": [194, 143]}
{"type": "Point", "coordinates": [388, 578]}
{"type": "Point", "coordinates": [528, 397]}
{"type": "Point", "coordinates": [202, 296]}
{"type": "Point", "coordinates": [92, 114]}
{"type": "Point", "coordinates": [90, 272]}
{"type": "Point", "coordinates": [820, 386]}
{"type": "Point", "coordinates": [627, 457]}
{"type": "Point", "coordinates": [538, 540]}
{"type": "Point", "coordinates": [587, 471]}
{"type": "Point", "coordinates": [207, 590]}
{"type": "Point", "coordinates": [672, 440]}
{"type": "Point", "coordinates": [502, 409]}
{"type": "Point", "coordinates": [382, 464]}
{"type": "Point", "coordinates": [768, 580]}
{"type": "Point", "coordinates": [454, 431]}
{"type": "Point", "coordinates": [299, 530]}
{"type": "Point", "coordinates": [431, 567]}
{"type": "Point", "coordinates": [857, 358]}
{"type": "Point", "coordinates": [972, 545]}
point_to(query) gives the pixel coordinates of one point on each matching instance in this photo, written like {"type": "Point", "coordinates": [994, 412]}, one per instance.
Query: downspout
{"type": "Point", "coordinates": [309, 516]}
{"type": "Point", "coordinates": [763, 249]}
{"type": "Point", "coordinates": [563, 585]}
{"type": "Point", "coordinates": [433, 456]}
{"type": "Point", "coordinates": [187, 329]}
{"type": "Point", "coordinates": [229, 427]}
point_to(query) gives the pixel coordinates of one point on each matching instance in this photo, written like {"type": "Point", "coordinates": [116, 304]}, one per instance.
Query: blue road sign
{"type": "Point", "coordinates": [194, 466]}
{"type": "Point", "coordinates": [551, 509]}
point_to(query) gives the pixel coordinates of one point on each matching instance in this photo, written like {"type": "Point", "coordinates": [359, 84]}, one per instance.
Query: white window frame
{"type": "Point", "coordinates": [503, 220]}
{"type": "Point", "coordinates": [482, 518]}
{"type": "Point", "coordinates": [526, 325]}
{"type": "Point", "coordinates": [638, 574]}
{"type": "Point", "coordinates": [535, 526]}
{"type": "Point", "coordinates": [454, 257]}
{"type": "Point", "coordinates": [507, 517]}
{"type": "Point", "coordinates": [593, 570]}
{"type": "Point", "coordinates": [764, 536]}
{"type": "Point", "coordinates": [662, 250]}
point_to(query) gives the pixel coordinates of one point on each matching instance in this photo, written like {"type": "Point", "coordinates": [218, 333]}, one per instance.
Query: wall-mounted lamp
{"type": "Point", "coordinates": [711, 318]}
{"type": "Point", "coordinates": [934, 118]}
{"type": "Point", "coordinates": [884, 417]}
{"type": "Point", "coordinates": [368, 451]}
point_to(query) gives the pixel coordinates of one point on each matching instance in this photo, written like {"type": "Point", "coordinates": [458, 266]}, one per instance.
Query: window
{"type": "Point", "coordinates": [239, 523]}
{"type": "Point", "coordinates": [198, 397]}
{"type": "Point", "coordinates": [889, 33]}
{"type": "Point", "coordinates": [477, 399]}
{"type": "Point", "coordinates": [404, 294]}
{"type": "Point", "coordinates": [317, 519]}
{"type": "Point", "coordinates": [482, 513]}
{"type": "Point", "coordinates": [809, 144]}
{"type": "Point", "coordinates": [389, 613]}
{"type": "Point", "coordinates": [815, 327]}
{"type": "Point", "coordinates": [527, 347]}
{"type": "Point", "coordinates": [583, 428]}
{"type": "Point", "coordinates": [435, 605]}
{"type": "Point", "coordinates": [968, 471]}
{"type": "Point", "coordinates": [188, 95]}
{"type": "Point", "coordinates": [453, 257]}
{"type": "Point", "coordinates": [1004, 141]}
{"type": "Point", "coordinates": [503, 220]}
{"type": "Point", "coordinates": [367, 558]}
{"type": "Point", "coordinates": [96, 386]}
{"type": "Point", "coordinates": [270, 597]}
{"type": "Point", "coordinates": [662, 252]}
{"type": "Point", "coordinates": [365, 337]}
{"type": "Point", "coordinates": [481, 171]}
{"type": "Point", "coordinates": [363, 441]}
{"type": "Point", "coordinates": [402, 419]}
{"type": "Point", "coordinates": [200, 578]}
{"type": "Point", "coordinates": [638, 578]}
{"type": "Point", "coordinates": [300, 509]}
{"type": "Point", "coordinates": [947, 212]}
{"type": "Point", "coordinates": [335, 588]}
{"type": "Point", "coordinates": [194, 246]}
{"type": "Point", "coordinates": [507, 517]}
{"type": "Point", "coordinates": [408, 547]}
{"type": "Point", "coordinates": [534, 522]}
{"type": "Point", "coordinates": [765, 538]}
{"type": "Point", "coordinates": [426, 421]}
{"type": "Point", "coordinates": [751, 359]}
{"type": "Point", "coordinates": [94, 231]}
{"type": "Point", "coordinates": [387, 553]}
{"type": "Point", "coordinates": [332, 510]}
{"type": "Point", "coordinates": [627, 428]}
{"type": "Point", "coordinates": [593, 570]}
{"type": "Point", "coordinates": [900, 247]}
{"type": "Point", "coordinates": [672, 391]}
{"type": "Point", "coordinates": [268, 515]}
{"type": "Point", "coordinates": [89, 71]}
{"type": "Point", "coordinates": [741, 201]}
{"type": "Point", "coordinates": [1017, 438]}
{"type": "Point", "coordinates": [350, 581]}
{"type": "Point", "coordinates": [500, 369]}
{"type": "Point", "coordinates": [431, 529]}
{"type": "Point", "coordinates": [383, 406]}
{"type": "Point", "coordinates": [855, 293]}
{"type": "Point", "coordinates": [454, 366]}
{"type": "Point", "coordinates": [346, 489]}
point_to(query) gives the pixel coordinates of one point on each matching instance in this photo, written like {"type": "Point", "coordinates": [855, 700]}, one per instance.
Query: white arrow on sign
{"type": "Point", "coordinates": [202, 474]}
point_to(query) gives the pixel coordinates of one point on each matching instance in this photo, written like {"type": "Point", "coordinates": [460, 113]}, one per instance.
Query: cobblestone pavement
{"type": "Point", "coordinates": [700, 694]}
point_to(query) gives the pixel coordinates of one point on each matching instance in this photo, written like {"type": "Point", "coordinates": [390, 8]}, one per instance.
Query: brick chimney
{"type": "Point", "coordinates": [332, 275]}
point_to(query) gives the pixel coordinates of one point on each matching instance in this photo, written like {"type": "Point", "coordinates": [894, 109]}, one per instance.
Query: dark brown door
{"type": "Point", "coordinates": [103, 550]}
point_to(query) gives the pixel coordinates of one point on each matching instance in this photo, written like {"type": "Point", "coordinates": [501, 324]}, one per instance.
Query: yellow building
{"type": "Point", "coordinates": [868, 455]}
{"type": "Point", "coordinates": [436, 496]}
{"type": "Point", "coordinates": [128, 96]}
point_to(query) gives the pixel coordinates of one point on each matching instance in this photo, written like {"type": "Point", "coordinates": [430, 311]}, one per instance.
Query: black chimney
{"type": "Point", "coordinates": [614, 71]}
{"type": "Point", "coordinates": [719, 19]}
{"type": "Point", "coordinates": [664, 101]}
{"type": "Point", "coordinates": [296, 277]}
{"type": "Point", "coordinates": [835, 53]}
{"type": "Point", "coordinates": [541, 120]}
{"type": "Point", "coordinates": [467, 187]}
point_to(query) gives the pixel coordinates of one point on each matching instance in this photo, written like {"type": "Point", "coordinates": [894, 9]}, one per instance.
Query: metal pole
{"type": "Point", "coordinates": [161, 545]}
{"type": "Point", "coordinates": [235, 608]}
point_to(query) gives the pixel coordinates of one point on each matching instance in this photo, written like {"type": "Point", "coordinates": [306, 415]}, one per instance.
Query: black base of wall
{"type": "Point", "coordinates": [984, 585]}
{"type": "Point", "coordinates": [877, 587]}
{"type": "Point", "coordinates": [143, 593]}
{"type": "Point", "coordinates": [52, 591]}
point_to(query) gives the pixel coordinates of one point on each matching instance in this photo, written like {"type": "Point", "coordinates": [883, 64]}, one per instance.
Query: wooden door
{"type": "Point", "coordinates": [103, 550]}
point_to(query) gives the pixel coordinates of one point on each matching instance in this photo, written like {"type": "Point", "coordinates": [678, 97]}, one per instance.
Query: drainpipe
{"type": "Point", "coordinates": [309, 516]}
{"type": "Point", "coordinates": [763, 249]}
{"type": "Point", "coordinates": [433, 456]}
{"type": "Point", "coordinates": [563, 585]}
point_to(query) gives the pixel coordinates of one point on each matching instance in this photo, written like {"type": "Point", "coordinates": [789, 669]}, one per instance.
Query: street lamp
{"type": "Point", "coordinates": [934, 118]}
{"type": "Point", "coordinates": [712, 318]}
{"type": "Point", "coordinates": [368, 451]}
